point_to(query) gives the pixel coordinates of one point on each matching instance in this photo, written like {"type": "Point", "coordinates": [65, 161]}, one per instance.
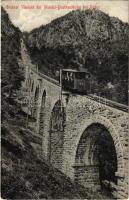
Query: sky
{"type": "Point", "coordinates": [28, 15]}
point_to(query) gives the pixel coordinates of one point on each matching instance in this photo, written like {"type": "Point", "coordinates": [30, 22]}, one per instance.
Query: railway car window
{"type": "Point", "coordinates": [80, 75]}
{"type": "Point", "coordinates": [68, 79]}
{"type": "Point", "coordinates": [67, 76]}
{"type": "Point", "coordinates": [87, 75]}
{"type": "Point", "coordinates": [71, 76]}
{"type": "Point", "coordinates": [64, 76]}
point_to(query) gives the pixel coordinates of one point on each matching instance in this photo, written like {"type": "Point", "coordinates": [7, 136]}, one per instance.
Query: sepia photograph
{"type": "Point", "coordinates": [64, 99]}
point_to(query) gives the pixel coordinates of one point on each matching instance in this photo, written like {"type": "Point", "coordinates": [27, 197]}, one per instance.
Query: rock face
{"type": "Point", "coordinates": [85, 39]}
{"type": "Point", "coordinates": [8, 28]}
{"type": "Point", "coordinates": [76, 27]}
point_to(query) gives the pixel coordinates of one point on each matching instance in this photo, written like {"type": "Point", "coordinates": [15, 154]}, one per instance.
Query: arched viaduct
{"type": "Point", "coordinates": [70, 127]}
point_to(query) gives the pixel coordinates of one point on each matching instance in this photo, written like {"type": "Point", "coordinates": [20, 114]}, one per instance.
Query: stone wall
{"type": "Point", "coordinates": [87, 176]}
{"type": "Point", "coordinates": [81, 112]}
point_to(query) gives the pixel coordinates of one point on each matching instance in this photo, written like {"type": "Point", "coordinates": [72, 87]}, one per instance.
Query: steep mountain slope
{"type": "Point", "coordinates": [25, 175]}
{"type": "Point", "coordinates": [12, 72]}
{"type": "Point", "coordinates": [85, 39]}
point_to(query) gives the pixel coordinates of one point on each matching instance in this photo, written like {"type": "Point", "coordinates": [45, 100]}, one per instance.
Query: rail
{"type": "Point", "coordinates": [46, 77]}
{"type": "Point", "coordinates": [91, 96]}
{"type": "Point", "coordinates": [109, 102]}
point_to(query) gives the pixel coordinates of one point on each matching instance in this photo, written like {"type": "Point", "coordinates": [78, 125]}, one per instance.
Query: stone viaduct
{"type": "Point", "coordinates": [71, 127]}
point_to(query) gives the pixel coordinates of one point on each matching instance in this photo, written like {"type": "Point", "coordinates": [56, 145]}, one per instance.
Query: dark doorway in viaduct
{"type": "Point", "coordinates": [96, 159]}
{"type": "Point", "coordinates": [32, 86]}
{"type": "Point", "coordinates": [42, 112]}
{"type": "Point", "coordinates": [36, 103]}
{"type": "Point", "coordinates": [56, 134]}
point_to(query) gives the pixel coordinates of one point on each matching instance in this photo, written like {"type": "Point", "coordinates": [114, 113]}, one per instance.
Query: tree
{"type": "Point", "coordinates": [12, 72]}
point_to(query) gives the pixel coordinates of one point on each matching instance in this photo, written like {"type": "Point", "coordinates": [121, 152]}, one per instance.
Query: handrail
{"type": "Point", "coordinates": [109, 102]}
{"type": "Point", "coordinates": [91, 96]}
{"type": "Point", "coordinates": [46, 77]}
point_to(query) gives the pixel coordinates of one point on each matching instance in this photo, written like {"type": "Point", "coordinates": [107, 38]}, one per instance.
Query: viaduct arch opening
{"type": "Point", "coordinates": [56, 134]}
{"type": "Point", "coordinates": [96, 159]}
{"type": "Point", "coordinates": [32, 86]}
{"type": "Point", "coordinates": [36, 103]}
{"type": "Point", "coordinates": [42, 112]}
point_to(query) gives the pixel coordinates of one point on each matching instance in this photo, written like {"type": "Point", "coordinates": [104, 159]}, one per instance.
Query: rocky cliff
{"type": "Point", "coordinates": [85, 39]}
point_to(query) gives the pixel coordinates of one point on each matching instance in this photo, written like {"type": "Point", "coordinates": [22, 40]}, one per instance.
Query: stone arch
{"type": "Point", "coordinates": [114, 134]}
{"type": "Point", "coordinates": [42, 113]}
{"type": "Point", "coordinates": [56, 134]}
{"type": "Point", "coordinates": [71, 140]}
{"type": "Point", "coordinates": [120, 174]}
{"type": "Point", "coordinates": [96, 160]}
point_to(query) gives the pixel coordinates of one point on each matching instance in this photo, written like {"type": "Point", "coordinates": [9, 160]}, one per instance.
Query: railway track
{"type": "Point", "coordinates": [108, 102]}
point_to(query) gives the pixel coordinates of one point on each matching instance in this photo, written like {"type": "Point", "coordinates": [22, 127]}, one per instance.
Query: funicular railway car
{"type": "Point", "coordinates": [74, 80]}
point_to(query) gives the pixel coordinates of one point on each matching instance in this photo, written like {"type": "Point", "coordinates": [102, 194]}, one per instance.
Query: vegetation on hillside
{"type": "Point", "coordinates": [85, 39]}
{"type": "Point", "coordinates": [12, 72]}
{"type": "Point", "coordinates": [25, 175]}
